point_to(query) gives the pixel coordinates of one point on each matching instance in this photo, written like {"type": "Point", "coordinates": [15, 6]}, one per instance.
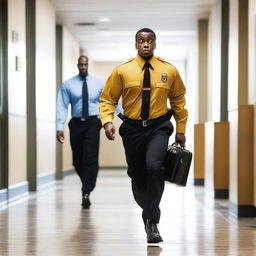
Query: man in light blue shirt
{"type": "Point", "coordinates": [82, 92]}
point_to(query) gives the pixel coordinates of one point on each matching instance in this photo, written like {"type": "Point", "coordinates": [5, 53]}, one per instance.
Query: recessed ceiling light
{"type": "Point", "coordinates": [104, 19]}
{"type": "Point", "coordinates": [85, 24]}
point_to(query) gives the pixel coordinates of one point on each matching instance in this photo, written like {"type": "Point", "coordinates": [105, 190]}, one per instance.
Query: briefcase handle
{"type": "Point", "coordinates": [178, 145]}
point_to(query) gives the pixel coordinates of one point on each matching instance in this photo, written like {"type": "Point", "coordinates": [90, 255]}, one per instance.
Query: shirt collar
{"type": "Point", "coordinates": [83, 77]}
{"type": "Point", "coordinates": [141, 61]}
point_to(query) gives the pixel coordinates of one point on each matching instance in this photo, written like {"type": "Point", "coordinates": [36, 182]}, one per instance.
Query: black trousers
{"type": "Point", "coordinates": [84, 140]}
{"type": "Point", "coordinates": [145, 150]}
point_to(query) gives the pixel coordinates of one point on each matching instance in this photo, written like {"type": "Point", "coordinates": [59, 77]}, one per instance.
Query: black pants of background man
{"type": "Point", "coordinates": [145, 150]}
{"type": "Point", "coordinates": [84, 140]}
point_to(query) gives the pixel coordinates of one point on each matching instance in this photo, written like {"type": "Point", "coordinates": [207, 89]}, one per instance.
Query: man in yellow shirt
{"type": "Point", "coordinates": [145, 83]}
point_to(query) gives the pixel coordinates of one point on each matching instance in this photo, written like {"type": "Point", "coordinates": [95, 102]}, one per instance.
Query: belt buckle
{"type": "Point", "coordinates": [144, 123]}
{"type": "Point", "coordinates": [83, 119]}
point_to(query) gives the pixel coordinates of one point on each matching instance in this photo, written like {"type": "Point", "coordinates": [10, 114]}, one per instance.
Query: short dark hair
{"type": "Point", "coordinates": [145, 30]}
{"type": "Point", "coordinates": [83, 56]}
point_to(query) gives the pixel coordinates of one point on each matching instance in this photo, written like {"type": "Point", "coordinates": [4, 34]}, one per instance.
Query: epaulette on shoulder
{"type": "Point", "coordinates": [127, 61]}
{"type": "Point", "coordinates": [163, 60]}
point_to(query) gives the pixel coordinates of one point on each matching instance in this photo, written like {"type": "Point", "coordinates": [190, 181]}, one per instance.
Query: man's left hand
{"type": "Point", "coordinates": [180, 138]}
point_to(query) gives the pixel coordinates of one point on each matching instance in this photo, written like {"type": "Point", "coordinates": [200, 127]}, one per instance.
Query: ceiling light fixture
{"type": "Point", "coordinates": [104, 19]}
{"type": "Point", "coordinates": [85, 24]}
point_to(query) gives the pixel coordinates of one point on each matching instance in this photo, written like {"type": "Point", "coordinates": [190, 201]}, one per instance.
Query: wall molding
{"type": "Point", "coordinates": [13, 192]}
{"type": "Point", "coordinates": [3, 195]}
{"type": "Point", "coordinates": [45, 178]}
{"type": "Point", "coordinates": [113, 167]}
{"type": "Point", "coordinates": [17, 190]}
{"type": "Point", "coordinates": [242, 210]}
{"type": "Point", "coordinates": [199, 182]}
{"type": "Point", "coordinates": [68, 172]}
{"type": "Point", "coordinates": [221, 193]}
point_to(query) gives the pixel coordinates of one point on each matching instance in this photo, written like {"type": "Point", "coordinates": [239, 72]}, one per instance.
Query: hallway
{"type": "Point", "coordinates": [51, 222]}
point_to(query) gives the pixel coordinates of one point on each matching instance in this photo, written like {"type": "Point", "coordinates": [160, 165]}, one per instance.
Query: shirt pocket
{"type": "Point", "coordinates": [132, 88]}
{"type": "Point", "coordinates": [132, 84]}
{"type": "Point", "coordinates": [162, 90]}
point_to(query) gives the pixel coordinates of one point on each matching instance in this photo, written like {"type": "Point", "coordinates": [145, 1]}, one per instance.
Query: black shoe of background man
{"type": "Point", "coordinates": [86, 201]}
{"type": "Point", "coordinates": [153, 235]}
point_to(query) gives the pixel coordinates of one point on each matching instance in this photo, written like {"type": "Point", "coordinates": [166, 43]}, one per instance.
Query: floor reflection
{"type": "Point", "coordinates": [154, 250]}
{"type": "Point", "coordinates": [82, 241]}
{"type": "Point", "coordinates": [51, 222]}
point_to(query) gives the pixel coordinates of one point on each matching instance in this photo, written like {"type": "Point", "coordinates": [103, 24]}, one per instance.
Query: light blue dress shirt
{"type": "Point", "coordinates": [71, 93]}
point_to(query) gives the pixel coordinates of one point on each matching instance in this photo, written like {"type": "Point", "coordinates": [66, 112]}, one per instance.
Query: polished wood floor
{"type": "Point", "coordinates": [51, 222]}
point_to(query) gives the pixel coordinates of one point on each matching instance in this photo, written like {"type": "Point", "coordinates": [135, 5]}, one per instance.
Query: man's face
{"type": "Point", "coordinates": [145, 44]}
{"type": "Point", "coordinates": [83, 66]}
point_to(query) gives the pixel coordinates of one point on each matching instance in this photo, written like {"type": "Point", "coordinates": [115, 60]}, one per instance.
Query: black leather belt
{"type": "Point", "coordinates": [146, 123]}
{"type": "Point", "coordinates": [84, 119]}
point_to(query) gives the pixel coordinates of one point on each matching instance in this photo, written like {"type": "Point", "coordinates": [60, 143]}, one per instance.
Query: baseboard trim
{"type": "Point", "coordinates": [198, 182]}
{"type": "Point", "coordinates": [68, 172]}
{"type": "Point", "coordinates": [72, 171]}
{"type": "Point", "coordinates": [240, 211]}
{"type": "Point", "coordinates": [3, 195]}
{"type": "Point", "coordinates": [21, 189]}
{"type": "Point", "coordinates": [17, 190]}
{"type": "Point", "coordinates": [113, 167]}
{"type": "Point", "coordinates": [221, 193]}
{"type": "Point", "coordinates": [45, 178]}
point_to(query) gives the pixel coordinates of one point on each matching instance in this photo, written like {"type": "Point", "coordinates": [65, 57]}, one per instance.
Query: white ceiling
{"type": "Point", "coordinates": [175, 24]}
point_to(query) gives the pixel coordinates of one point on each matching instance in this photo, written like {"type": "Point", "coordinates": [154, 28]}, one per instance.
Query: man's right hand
{"type": "Point", "coordinates": [110, 131]}
{"type": "Point", "coordinates": [60, 136]}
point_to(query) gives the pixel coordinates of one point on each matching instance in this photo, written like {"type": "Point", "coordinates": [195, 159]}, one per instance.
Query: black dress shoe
{"type": "Point", "coordinates": [86, 201]}
{"type": "Point", "coordinates": [153, 235]}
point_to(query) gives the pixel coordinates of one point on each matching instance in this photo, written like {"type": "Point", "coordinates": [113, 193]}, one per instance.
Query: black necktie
{"type": "Point", "coordinates": [145, 93]}
{"type": "Point", "coordinates": [85, 113]}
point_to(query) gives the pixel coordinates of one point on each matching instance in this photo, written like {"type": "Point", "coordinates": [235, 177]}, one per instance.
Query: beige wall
{"type": "Point", "coordinates": [17, 91]}
{"type": "Point", "coordinates": [45, 86]}
{"type": "Point", "coordinates": [233, 175]}
{"type": "Point", "coordinates": [214, 64]}
{"type": "Point", "coordinates": [111, 152]}
{"type": "Point", "coordinates": [17, 150]}
{"type": "Point", "coordinates": [209, 155]}
{"type": "Point", "coordinates": [233, 57]}
{"type": "Point", "coordinates": [70, 53]}
{"type": "Point", "coordinates": [102, 69]}
{"type": "Point", "coordinates": [252, 51]}
{"type": "Point", "coordinates": [241, 92]}
{"type": "Point", "coordinates": [252, 74]}
{"type": "Point", "coordinates": [233, 98]}
{"type": "Point", "coordinates": [191, 82]}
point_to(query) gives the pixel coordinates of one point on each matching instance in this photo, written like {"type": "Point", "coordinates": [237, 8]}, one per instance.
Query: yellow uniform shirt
{"type": "Point", "coordinates": [126, 80]}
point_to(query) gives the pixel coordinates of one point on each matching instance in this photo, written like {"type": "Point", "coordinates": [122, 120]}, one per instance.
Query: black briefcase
{"type": "Point", "coordinates": [177, 165]}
